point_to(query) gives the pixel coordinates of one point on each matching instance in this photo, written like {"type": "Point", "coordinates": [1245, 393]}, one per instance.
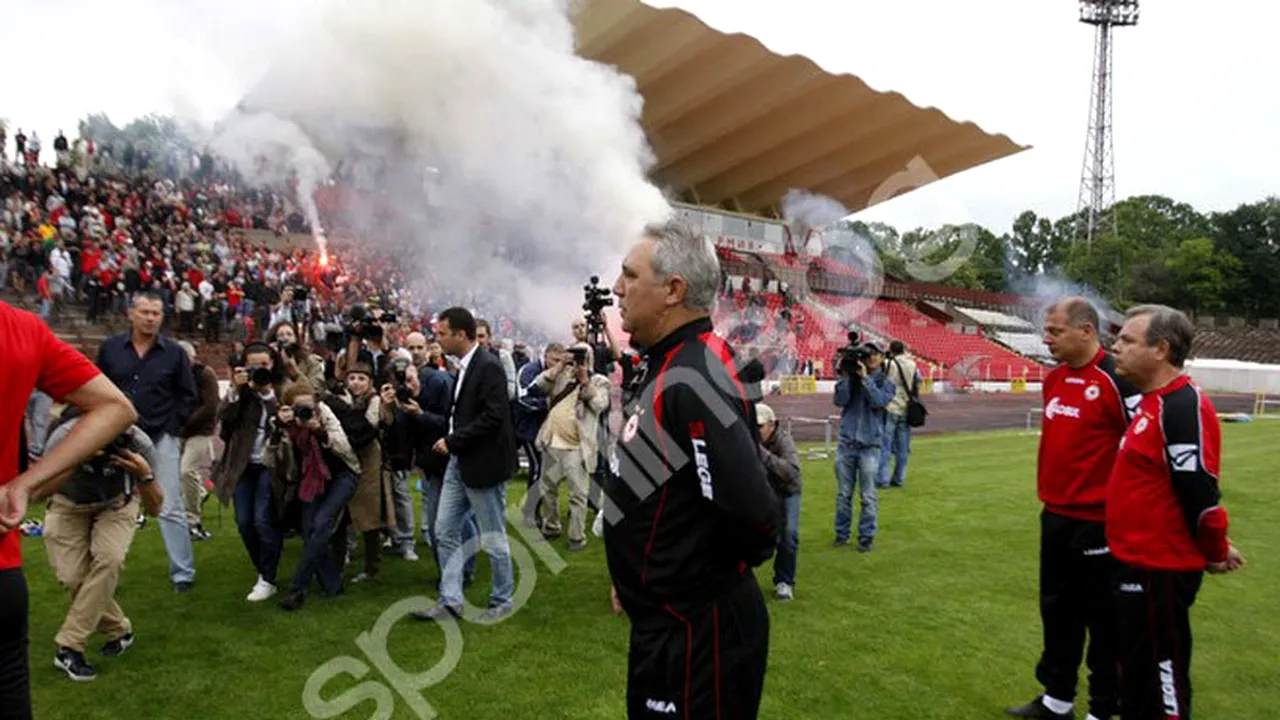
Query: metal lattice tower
{"type": "Point", "coordinates": [1098, 178]}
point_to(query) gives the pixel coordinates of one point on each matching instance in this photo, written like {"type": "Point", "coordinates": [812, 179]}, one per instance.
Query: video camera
{"type": "Point", "coordinates": [596, 300]}
{"type": "Point", "coordinates": [849, 357]}
{"type": "Point", "coordinates": [360, 324]}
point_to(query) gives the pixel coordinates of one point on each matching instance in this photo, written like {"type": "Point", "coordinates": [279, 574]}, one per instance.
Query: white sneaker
{"type": "Point", "coordinates": [410, 555]}
{"type": "Point", "coordinates": [597, 527]}
{"type": "Point", "coordinates": [784, 591]}
{"type": "Point", "coordinates": [262, 590]}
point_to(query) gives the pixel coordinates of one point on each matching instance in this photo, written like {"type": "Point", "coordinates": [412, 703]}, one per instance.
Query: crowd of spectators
{"type": "Point", "coordinates": [94, 229]}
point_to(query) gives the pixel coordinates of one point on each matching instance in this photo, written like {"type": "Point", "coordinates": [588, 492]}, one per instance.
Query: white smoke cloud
{"type": "Point", "coordinates": [480, 129]}
{"type": "Point", "coordinates": [1043, 290]}
{"type": "Point", "coordinates": [805, 211]}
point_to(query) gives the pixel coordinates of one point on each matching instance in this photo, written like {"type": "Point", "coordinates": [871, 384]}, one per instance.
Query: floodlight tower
{"type": "Point", "coordinates": [1098, 178]}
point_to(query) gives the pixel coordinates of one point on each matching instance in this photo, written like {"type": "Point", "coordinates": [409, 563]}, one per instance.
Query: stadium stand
{"type": "Point", "coordinates": [1250, 344]}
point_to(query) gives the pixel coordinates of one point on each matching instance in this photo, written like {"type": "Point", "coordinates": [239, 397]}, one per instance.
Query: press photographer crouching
{"type": "Point", "coordinates": [89, 526]}
{"type": "Point", "coordinates": [862, 392]}
{"type": "Point", "coordinates": [242, 471]}
{"type": "Point", "coordinates": [311, 454]}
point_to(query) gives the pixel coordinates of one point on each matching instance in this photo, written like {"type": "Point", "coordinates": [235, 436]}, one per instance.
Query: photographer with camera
{"type": "Point", "coordinates": [366, 341]}
{"type": "Point", "coordinates": [89, 526]}
{"type": "Point", "coordinates": [298, 360]}
{"type": "Point", "coordinates": [243, 471]}
{"type": "Point", "coordinates": [311, 453]}
{"type": "Point", "coordinates": [569, 438]}
{"type": "Point", "coordinates": [401, 416]}
{"type": "Point", "coordinates": [862, 392]}
{"type": "Point", "coordinates": [904, 372]}
{"type": "Point", "coordinates": [365, 419]}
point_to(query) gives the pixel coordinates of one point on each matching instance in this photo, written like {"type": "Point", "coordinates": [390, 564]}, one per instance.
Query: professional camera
{"type": "Point", "coordinates": [596, 300]}
{"type": "Point", "coordinates": [300, 293]}
{"type": "Point", "coordinates": [304, 413]}
{"type": "Point", "coordinates": [579, 355]}
{"type": "Point", "coordinates": [359, 324]}
{"type": "Point", "coordinates": [260, 376]}
{"type": "Point", "coordinates": [400, 373]}
{"type": "Point", "coordinates": [115, 448]}
{"type": "Point", "coordinates": [850, 356]}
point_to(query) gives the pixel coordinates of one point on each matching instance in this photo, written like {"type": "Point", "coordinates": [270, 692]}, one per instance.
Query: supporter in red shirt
{"type": "Point", "coordinates": [1165, 523]}
{"type": "Point", "coordinates": [1086, 409]}
{"type": "Point", "coordinates": [36, 359]}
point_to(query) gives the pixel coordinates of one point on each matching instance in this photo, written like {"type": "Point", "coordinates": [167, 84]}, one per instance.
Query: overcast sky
{"type": "Point", "coordinates": [1196, 106]}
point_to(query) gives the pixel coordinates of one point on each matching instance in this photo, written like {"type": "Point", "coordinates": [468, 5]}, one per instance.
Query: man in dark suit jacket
{"type": "Point", "coordinates": [435, 397]}
{"type": "Point", "coordinates": [480, 445]}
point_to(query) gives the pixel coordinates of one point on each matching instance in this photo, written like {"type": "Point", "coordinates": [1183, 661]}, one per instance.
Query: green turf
{"type": "Point", "coordinates": [939, 622]}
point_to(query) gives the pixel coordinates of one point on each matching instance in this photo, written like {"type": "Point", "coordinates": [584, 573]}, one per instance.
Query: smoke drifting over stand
{"type": "Point", "coordinates": [501, 161]}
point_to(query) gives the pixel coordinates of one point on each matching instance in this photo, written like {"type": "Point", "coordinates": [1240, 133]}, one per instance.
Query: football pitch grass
{"type": "Point", "coordinates": [940, 621]}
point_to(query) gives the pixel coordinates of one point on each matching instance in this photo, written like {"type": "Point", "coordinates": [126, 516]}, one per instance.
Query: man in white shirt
{"type": "Point", "coordinates": [896, 438]}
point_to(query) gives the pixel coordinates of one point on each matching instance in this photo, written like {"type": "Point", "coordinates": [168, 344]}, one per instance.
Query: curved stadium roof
{"type": "Point", "coordinates": [736, 125]}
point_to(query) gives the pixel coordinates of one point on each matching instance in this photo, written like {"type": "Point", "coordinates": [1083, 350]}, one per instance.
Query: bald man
{"type": "Point", "coordinates": [416, 344]}
{"type": "Point", "coordinates": [1087, 408]}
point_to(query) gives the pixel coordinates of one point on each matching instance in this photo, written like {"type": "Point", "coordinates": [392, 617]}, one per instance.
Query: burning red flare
{"type": "Point", "coordinates": [324, 258]}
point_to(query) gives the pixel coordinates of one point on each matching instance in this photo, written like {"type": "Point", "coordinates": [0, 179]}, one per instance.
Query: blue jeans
{"type": "Point", "coordinates": [784, 563]}
{"type": "Point", "coordinates": [490, 508]}
{"type": "Point", "coordinates": [256, 520]}
{"type": "Point", "coordinates": [857, 466]}
{"type": "Point", "coordinates": [430, 508]}
{"type": "Point", "coordinates": [319, 522]}
{"type": "Point", "coordinates": [895, 442]}
{"type": "Point", "coordinates": [173, 514]}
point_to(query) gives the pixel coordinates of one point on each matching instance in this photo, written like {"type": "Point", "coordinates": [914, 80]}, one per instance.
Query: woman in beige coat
{"type": "Point", "coordinates": [371, 510]}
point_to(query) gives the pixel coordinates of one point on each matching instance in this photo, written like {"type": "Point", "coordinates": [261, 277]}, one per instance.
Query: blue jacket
{"type": "Point", "coordinates": [862, 406]}
{"type": "Point", "coordinates": [531, 405]}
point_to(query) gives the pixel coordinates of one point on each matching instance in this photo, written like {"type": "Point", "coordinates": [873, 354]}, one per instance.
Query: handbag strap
{"type": "Point", "coordinates": [915, 381]}
{"type": "Point", "coordinates": [563, 394]}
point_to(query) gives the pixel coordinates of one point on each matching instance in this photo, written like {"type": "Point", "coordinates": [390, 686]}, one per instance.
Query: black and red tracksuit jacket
{"type": "Point", "coordinates": [1086, 411]}
{"type": "Point", "coordinates": [1163, 509]}
{"type": "Point", "coordinates": [690, 508]}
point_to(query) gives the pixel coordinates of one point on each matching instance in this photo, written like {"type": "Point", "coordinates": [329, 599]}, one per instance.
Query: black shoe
{"type": "Point", "coordinates": [839, 543]}
{"type": "Point", "coordinates": [438, 612]}
{"type": "Point", "coordinates": [1036, 709]}
{"type": "Point", "coordinates": [577, 545]}
{"type": "Point", "coordinates": [73, 662]}
{"type": "Point", "coordinates": [182, 587]}
{"type": "Point", "coordinates": [293, 600]}
{"type": "Point", "coordinates": [865, 545]}
{"type": "Point", "coordinates": [116, 648]}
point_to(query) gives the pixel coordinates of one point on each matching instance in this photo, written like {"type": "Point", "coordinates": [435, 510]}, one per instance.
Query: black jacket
{"type": "Point", "coordinates": [696, 509]}
{"type": "Point", "coordinates": [435, 397]}
{"type": "Point", "coordinates": [482, 438]}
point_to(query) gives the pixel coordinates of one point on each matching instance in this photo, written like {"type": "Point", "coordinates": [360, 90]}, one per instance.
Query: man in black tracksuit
{"type": "Point", "coordinates": [690, 510]}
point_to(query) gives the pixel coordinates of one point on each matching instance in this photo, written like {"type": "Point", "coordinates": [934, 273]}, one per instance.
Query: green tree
{"type": "Point", "coordinates": [1201, 273]}
{"type": "Point", "coordinates": [1251, 235]}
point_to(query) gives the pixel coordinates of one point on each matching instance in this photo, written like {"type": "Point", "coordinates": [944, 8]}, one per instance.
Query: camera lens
{"type": "Point", "coordinates": [260, 376]}
{"type": "Point", "coordinates": [403, 394]}
{"type": "Point", "coordinates": [304, 412]}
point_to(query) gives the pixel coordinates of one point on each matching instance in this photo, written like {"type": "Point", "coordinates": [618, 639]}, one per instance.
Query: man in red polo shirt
{"type": "Point", "coordinates": [1086, 409]}
{"type": "Point", "coordinates": [1165, 523]}
{"type": "Point", "coordinates": [36, 359]}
